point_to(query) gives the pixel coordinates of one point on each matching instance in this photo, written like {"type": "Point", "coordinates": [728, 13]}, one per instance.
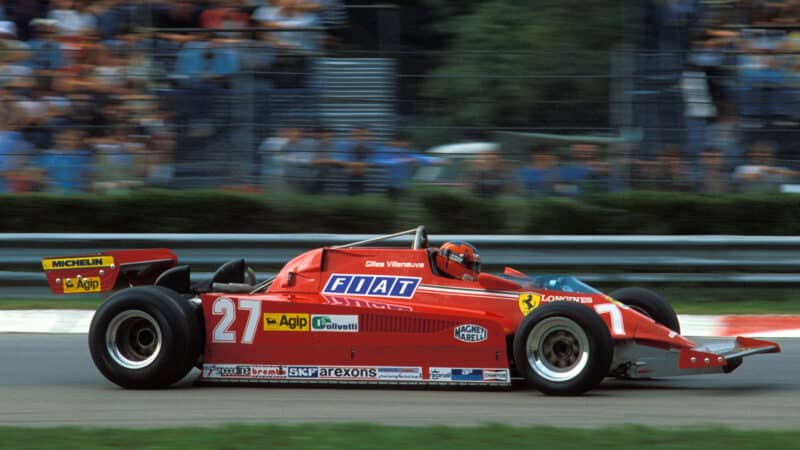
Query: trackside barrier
{"type": "Point", "coordinates": [719, 260]}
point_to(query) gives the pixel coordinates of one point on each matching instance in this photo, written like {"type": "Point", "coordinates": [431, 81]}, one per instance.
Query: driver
{"type": "Point", "coordinates": [459, 260]}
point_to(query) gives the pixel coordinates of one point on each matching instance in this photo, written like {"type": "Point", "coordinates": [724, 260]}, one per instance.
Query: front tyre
{"type": "Point", "coordinates": [145, 337]}
{"type": "Point", "coordinates": [650, 304]}
{"type": "Point", "coordinates": [563, 348]}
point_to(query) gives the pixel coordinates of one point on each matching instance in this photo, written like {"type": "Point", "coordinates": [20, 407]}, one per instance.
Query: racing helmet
{"type": "Point", "coordinates": [459, 260]}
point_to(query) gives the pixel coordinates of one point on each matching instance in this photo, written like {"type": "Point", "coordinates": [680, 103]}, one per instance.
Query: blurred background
{"type": "Point", "coordinates": [490, 100]}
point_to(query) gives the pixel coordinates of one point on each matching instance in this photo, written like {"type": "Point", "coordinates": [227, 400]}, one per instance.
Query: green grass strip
{"type": "Point", "coordinates": [365, 436]}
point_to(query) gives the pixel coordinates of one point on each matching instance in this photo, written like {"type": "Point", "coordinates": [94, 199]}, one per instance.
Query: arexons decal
{"type": "Point", "coordinates": [353, 373]}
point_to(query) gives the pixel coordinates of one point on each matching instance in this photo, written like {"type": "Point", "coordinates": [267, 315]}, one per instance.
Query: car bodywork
{"type": "Point", "coordinates": [360, 313]}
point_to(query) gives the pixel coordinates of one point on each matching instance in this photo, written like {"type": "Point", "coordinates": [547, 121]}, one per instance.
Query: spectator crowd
{"type": "Point", "coordinates": [717, 76]}
{"type": "Point", "coordinates": [109, 94]}
{"type": "Point", "coordinates": [98, 96]}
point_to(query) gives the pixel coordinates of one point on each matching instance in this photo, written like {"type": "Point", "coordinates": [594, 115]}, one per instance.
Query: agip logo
{"type": "Point", "coordinates": [286, 322]}
{"type": "Point", "coordinates": [81, 285]}
{"type": "Point", "coordinates": [371, 285]}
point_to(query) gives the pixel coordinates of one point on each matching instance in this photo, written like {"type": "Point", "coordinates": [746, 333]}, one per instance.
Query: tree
{"type": "Point", "coordinates": [525, 64]}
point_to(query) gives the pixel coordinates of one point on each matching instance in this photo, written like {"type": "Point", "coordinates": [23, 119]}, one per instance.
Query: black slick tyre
{"type": "Point", "coordinates": [563, 348]}
{"type": "Point", "coordinates": [649, 303]}
{"type": "Point", "coordinates": [146, 337]}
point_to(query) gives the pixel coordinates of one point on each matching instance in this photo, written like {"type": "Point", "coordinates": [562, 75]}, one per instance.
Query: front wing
{"type": "Point", "coordinates": [634, 359]}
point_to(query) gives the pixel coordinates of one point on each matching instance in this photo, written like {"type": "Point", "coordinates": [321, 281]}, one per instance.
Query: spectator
{"type": "Point", "coordinates": [669, 172]}
{"type": "Point", "coordinates": [584, 171]}
{"type": "Point", "coordinates": [487, 177]}
{"type": "Point", "coordinates": [761, 172]}
{"type": "Point", "coordinates": [46, 52]}
{"type": "Point", "coordinates": [227, 14]}
{"type": "Point", "coordinates": [14, 149]}
{"type": "Point", "coordinates": [322, 161]}
{"type": "Point", "coordinates": [289, 14]}
{"type": "Point", "coordinates": [400, 161]}
{"type": "Point", "coordinates": [13, 54]}
{"type": "Point", "coordinates": [161, 163]}
{"type": "Point", "coordinates": [274, 154]}
{"type": "Point", "coordinates": [74, 18]}
{"type": "Point", "coordinates": [539, 176]}
{"type": "Point", "coordinates": [713, 176]}
{"type": "Point", "coordinates": [68, 165]}
{"type": "Point", "coordinates": [356, 155]}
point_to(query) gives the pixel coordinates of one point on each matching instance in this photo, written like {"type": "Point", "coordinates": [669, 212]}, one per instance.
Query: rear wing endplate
{"type": "Point", "coordinates": [104, 271]}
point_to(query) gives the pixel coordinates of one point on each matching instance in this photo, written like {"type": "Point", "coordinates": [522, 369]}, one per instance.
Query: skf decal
{"type": "Point", "coordinates": [470, 333]}
{"type": "Point", "coordinates": [85, 262]}
{"type": "Point", "coordinates": [372, 285]}
{"type": "Point", "coordinates": [286, 322]}
{"type": "Point", "coordinates": [528, 301]}
{"type": "Point", "coordinates": [302, 372]}
{"type": "Point", "coordinates": [81, 285]}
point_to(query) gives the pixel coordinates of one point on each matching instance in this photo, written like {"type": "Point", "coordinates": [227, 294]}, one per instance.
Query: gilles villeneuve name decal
{"type": "Point", "coordinates": [372, 285]}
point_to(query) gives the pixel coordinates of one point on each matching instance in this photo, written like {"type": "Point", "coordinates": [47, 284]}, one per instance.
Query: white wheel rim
{"type": "Point", "coordinates": [557, 349]}
{"type": "Point", "coordinates": [133, 339]}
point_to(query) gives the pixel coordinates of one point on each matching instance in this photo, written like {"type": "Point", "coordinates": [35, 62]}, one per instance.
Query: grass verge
{"type": "Point", "coordinates": [365, 436]}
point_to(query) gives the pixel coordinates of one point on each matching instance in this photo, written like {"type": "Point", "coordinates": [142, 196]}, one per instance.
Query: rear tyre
{"type": "Point", "coordinates": [146, 337]}
{"type": "Point", "coordinates": [650, 304]}
{"type": "Point", "coordinates": [563, 348]}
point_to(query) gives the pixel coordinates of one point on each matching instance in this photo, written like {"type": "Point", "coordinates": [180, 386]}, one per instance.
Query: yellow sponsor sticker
{"type": "Point", "coordinates": [286, 322]}
{"type": "Point", "coordinates": [528, 301]}
{"type": "Point", "coordinates": [81, 285]}
{"type": "Point", "coordinates": [81, 262]}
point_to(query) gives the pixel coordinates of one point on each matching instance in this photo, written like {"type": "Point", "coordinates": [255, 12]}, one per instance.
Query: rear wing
{"type": "Point", "coordinates": [104, 271]}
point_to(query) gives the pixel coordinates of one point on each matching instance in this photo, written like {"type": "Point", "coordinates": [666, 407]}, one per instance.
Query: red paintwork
{"type": "Point", "coordinates": [444, 302]}
{"type": "Point", "coordinates": [417, 332]}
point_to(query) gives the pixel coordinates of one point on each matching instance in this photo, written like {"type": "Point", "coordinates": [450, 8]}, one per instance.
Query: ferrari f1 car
{"type": "Point", "coordinates": [367, 314]}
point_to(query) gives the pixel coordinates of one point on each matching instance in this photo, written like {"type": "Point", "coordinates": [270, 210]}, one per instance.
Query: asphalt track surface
{"type": "Point", "coordinates": [49, 380]}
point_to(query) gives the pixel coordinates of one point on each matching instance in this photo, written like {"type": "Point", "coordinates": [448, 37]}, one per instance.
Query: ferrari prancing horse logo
{"type": "Point", "coordinates": [528, 301]}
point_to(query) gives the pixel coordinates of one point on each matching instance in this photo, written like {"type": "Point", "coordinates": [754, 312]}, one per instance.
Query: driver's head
{"type": "Point", "coordinates": [459, 260]}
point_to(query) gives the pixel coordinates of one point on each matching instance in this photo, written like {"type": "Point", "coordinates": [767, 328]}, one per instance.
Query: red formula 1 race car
{"type": "Point", "coordinates": [365, 314]}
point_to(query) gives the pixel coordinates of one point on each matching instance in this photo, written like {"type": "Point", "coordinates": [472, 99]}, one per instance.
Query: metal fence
{"type": "Point", "coordinates": [609, 260]}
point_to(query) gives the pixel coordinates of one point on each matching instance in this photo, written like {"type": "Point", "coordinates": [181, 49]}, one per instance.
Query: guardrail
{"type": "Point", "coordinates": [718, 260]}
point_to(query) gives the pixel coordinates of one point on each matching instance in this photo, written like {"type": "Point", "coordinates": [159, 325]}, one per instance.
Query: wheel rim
{"type": "Point", "coordinates": [557, 349]}
{"type": "Point", "coordinates": [133, 339]}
